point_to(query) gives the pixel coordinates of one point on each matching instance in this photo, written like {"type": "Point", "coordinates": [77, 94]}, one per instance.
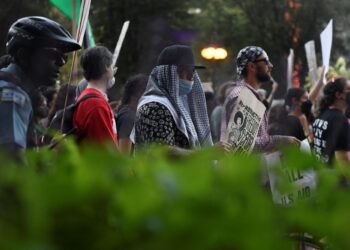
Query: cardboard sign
{"type": "Point", "coordinates": [244, 122]}
{"type": "Point", "coordinates": [303, 183]}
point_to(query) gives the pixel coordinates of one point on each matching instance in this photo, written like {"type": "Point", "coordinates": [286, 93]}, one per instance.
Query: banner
{"type": "Point", "coordinates": [311, 60]}
{"type": "Point", "coordinates": [244, 122]}
{"type": "Point", "coordinates": [66, 7]}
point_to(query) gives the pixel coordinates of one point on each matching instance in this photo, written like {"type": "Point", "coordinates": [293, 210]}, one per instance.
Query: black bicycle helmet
{"type": "Point", "coordinates": [36, 32]}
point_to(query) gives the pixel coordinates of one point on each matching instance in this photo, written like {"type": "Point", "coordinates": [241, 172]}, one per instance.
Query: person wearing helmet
{"type": "Point", "coordinates": [38, 47]}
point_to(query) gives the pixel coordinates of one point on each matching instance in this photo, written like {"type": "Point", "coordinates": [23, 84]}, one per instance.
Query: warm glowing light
{"type": "Point", "coordinates": [212, 53]}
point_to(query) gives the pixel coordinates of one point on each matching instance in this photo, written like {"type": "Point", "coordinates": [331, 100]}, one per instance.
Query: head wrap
{"type": "Point", "coordinates": [245, 55]}
{"type": "Point", "coordinates": [193, 120]}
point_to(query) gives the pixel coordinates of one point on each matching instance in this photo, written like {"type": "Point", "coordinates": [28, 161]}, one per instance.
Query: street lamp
{"type": "Point", "coordinates": [214, 53]}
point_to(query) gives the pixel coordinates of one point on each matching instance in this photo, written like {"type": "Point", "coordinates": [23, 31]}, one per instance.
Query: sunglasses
{"type": "Point", "coordinates": [265, 60]}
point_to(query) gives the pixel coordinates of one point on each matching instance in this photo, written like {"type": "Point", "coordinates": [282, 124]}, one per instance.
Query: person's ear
{"type": "Point", "coordinates": [251, 66]}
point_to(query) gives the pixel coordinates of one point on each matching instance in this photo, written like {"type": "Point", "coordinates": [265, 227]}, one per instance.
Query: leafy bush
{"type": "Point", "coordinates": [94, 199]}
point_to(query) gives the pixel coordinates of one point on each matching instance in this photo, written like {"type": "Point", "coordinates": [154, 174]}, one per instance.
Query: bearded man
{"type": "Point", "coordinates": [253, 69]}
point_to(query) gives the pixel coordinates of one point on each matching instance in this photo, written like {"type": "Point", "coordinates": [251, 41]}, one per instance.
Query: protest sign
{"type": "Point", "coordinates": [245, 121]}
{"type": "Point", "coordinates": [289, 185]}
{"type": "Point", "coordinates": [311, 60]}
{"type": "Point", "coordinates": [326, 44]}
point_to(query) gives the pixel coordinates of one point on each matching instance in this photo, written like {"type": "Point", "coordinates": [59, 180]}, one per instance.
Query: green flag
{"type": "Point", "coordinates": [66, 7]}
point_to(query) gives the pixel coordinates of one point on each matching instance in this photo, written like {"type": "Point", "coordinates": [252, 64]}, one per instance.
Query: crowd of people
{"type": "Point", "coordinates": [168, 107]}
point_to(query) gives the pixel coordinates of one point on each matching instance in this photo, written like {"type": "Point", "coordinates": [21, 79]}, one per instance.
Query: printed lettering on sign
{"type": "Point", "coordinates": [244, 122]}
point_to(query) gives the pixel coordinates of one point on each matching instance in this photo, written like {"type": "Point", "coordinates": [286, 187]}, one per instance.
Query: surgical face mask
{"type": "Point", "coordinates": [110, 83]}
{"type": "Point", "coordinates": [185, 87]}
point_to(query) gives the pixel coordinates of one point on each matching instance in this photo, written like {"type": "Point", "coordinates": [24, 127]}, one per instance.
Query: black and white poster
{"type": "Point", "coordinates": [244, 122]}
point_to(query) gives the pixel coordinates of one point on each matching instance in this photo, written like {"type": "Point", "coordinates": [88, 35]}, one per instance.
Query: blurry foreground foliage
{"type": "Point", "coordinates": [102, 200]}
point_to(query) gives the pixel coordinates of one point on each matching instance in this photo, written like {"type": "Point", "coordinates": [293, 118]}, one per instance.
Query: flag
{"type": "Point", "coordinates": [66, 7]}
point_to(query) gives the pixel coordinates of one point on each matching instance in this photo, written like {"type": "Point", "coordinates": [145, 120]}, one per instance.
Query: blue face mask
{"type": "Point", "coordinates": [185, 87]}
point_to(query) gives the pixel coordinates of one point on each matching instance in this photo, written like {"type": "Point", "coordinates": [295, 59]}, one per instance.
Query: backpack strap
{"type": "Point", "coordinates": [76, 104]}
{"type": "Point", "coordinates": [86, 97]}
{"type": "Point", "coordinates": [53, 144]}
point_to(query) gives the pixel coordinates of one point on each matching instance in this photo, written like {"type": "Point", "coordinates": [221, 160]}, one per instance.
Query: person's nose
{"type": "Point", "coordinates": [270, 65]}
{"type": "Point", "coordinates": [60, 62]}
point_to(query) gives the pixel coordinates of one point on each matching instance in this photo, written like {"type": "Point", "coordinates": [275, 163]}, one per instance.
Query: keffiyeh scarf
{"type": "Point", "coordinates": [192, 121]}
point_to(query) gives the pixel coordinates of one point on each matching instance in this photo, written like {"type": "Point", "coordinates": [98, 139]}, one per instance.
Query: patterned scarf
{"type": "Point", "coordinates": [193, 121]}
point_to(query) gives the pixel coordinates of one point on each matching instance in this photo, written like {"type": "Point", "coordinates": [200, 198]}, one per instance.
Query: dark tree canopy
{"type": "Point", "coordinates": [275, 25]}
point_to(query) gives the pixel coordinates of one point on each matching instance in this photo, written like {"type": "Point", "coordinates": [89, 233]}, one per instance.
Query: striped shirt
{"type": "Point", "coordinates": [264, 142]}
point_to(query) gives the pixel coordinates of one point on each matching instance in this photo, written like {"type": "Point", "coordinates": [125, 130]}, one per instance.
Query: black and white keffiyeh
{"type": "Point", "coordinates": [163, 87]}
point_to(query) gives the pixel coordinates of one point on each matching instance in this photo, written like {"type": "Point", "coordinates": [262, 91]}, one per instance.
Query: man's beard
{"type": "Point", "coordinates": [263, 76]}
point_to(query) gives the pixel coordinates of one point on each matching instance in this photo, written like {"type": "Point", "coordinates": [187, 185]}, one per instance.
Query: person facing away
{"type": "Point", "coordinates": [93, 118]}
{"type": "Point", "coordinates": [292, 118]}
{"type": "Point", "coordinates": [37, 46]}
{"type": "Point", "coordinates": [331, 128]}
{"type": "Point", "coordinates": [126, 112]}
{"type": "Point", "coordinates": [253, 69]}
{"type": "Point", "coordinates": [172, 111]}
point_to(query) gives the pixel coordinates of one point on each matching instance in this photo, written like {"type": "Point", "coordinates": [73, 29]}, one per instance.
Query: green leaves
{"type": "Point", "coordinates": [94, 199]}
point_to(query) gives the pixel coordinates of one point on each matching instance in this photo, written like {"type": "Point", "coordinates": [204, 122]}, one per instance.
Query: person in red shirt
{"type": "Point", "coordinates": [94, 118]}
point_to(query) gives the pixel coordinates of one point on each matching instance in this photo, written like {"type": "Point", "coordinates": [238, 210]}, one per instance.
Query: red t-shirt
{"type": "Point", "coordinates": [94, 118]}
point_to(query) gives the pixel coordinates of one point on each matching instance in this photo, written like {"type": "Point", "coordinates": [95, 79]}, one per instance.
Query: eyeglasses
{"type": "Point", "coordinates": [265, 60]}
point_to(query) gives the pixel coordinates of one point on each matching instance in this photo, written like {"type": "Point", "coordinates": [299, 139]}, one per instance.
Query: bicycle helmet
{"type": "Point", "coordinates": [37, 32]}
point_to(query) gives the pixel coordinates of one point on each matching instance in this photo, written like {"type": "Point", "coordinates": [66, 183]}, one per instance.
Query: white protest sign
{"type": "Point", "coordinates": [120, 42]}
{"type": "Point", "coordinates": [290, 68]}
{"type": "Point", "coordinates": [326, 44]}
{"type": "Point", "coordinates": [303, 183]}
{"type": "Point", "coordinates": [83, 20]}
{"type": "Point", "coordinates": [311, 60]}
{"type": "Point", "coordinates": [244, 122]}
